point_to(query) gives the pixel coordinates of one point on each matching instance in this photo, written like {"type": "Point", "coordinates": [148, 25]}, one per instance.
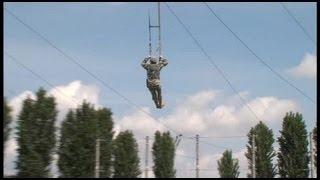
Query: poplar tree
{"type": "Point", "coordinates": [163, 151]}
{"type": "Point", "coordinates": [293, 158]}
{"type": "Point", "coordinates": [228, 167]}
{"type": "Point", "coordinates": [264, 151]}
{"type": "Point", "coordinates": [36, 136]}
{"type": "Point", "coordinates": [125, 156]}
{"type": "Point", "coordinates": [6, 121]}
{"type": "Point", "coordinates": [314, 137]}
{"type": "Point", "coordinates": [105, 134]}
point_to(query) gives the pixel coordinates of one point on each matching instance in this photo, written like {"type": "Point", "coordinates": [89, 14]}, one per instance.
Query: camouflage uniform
{"type": "Point", "coordinates": [153, 80]}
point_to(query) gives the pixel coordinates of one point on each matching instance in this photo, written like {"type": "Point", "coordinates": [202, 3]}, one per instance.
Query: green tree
{"type": "Point", "coordinates": [125, 156]}
{"type": "Point", "coordinates": [314, 137]}
{"type": "Point", "coordinates": [67, 150]}
{"type": "Point", "coordinates": [264, 151]}
{"type": "Point", "coordinates": [77, 143]}
{"type": "Point", "coordinates": [105, 133]}
{"type": "Point", "coordinates": [227, 166]}
{"type": "Point", "coordinates": [36, 136]}
{"type": "Point", "coordinates": [6, 121]}
{"type": "Point", "coordinates": [293, 157]}
{"type": "Point", "coordinates": [163, 151]}
{"type": "Point", "coordinates": [79, 132]}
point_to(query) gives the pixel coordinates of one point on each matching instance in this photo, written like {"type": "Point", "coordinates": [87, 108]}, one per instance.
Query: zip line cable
{"type": "Point", "coordinates": [86, 70]}
{"type": "Point", "coordinates": [297, 22]}
{"type": "Point", "coordinates": [212, 62]}
{"type": "Point", "coordinates": [258, 57]}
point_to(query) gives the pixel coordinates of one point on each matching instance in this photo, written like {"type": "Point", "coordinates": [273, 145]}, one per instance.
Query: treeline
{"type": "Point", "coordinates": [76, 145]}
{"type": "Point", "coordinates": [293, 156]}
{"type": "Point", "coordinates": [85, 126]}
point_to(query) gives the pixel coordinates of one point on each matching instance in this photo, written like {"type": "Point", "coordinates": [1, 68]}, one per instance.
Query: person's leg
{"type": "Point", "coordinates": [153, 93]}
{"type": "Point", "coordinates": [154, 96]}
{"type": "Point", "coordinates": [159, 96]}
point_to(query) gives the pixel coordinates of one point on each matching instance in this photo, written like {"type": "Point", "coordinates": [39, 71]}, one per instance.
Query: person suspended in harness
{"type": "Point", "coordinates": [153, 68]}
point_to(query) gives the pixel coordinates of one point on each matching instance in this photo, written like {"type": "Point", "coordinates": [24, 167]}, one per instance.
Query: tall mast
{"type": "Point", "coordinates": [159, 29]}
{"type": "Point", "coordinates": [150, 47]}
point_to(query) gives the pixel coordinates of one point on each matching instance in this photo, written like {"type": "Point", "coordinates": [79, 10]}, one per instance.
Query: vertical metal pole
{"type": "Point", "coordinates": [311, 154]}
{"type": "Point", "coordinates": [159, 29]}
{"type": "Point", "coordinates": [197, 156]}
{"type": "Point", "coordinates": [147, 157]}
{"type": "Point", "coordinates": [97, 167]}
{"type": "Point", "coordinates": [150, 47]}
{"type": "Point", "coordinates": [253, 156]}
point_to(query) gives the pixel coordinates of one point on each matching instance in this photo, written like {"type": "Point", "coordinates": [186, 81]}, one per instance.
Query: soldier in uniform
{"type": "Point", "coordinates": [153, 68]}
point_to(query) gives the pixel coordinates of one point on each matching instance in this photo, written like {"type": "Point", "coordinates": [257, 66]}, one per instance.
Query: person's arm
{"type": "Point", "coordinates": [163, 62]}
{"type": "Point", "coordinates": [144, 63]}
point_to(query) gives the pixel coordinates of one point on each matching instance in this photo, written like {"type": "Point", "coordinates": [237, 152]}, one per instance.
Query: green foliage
{"type": "Point", "coordinates": [314, 137]}
{"type": "Point", "coordinates": [6, 121]}
{"type": "Point", "coordinates": [264, 151]}
{"type": "Point", "coordinates": [227, 166]}
{"type": "Point", "coordinates": [163, 151]}
{"type": "Point", "coordinates": [68, 147]}
{"type": "Point", "coordinates": [77, 143]}
{"type": "Point", "coordinates": [125, 155]}
{"type": "Point", "coordinates": [105, 133]}
{"type": "Point", "coordinates": [293, 157]}
{"type": "Point", "coordinates": [36, 136]}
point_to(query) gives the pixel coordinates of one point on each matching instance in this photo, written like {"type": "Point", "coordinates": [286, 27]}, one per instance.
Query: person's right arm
{"type": "Point", "coordinates": [163, 62]}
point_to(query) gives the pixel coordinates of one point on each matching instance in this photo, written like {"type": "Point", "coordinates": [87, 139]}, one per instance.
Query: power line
{"type": "Point", "coordinates": [214, 145]}
{"type": "Point", "coordinates": [86, 70]}
{"type": "Point", "coordinates": [222, 137]}
{"type": "Point", "coordinates": [186, 156]}
{"type": "Point", "coordinates": [207, 143]}
{"type": "Point", "coordinates": [297, 22]}
{"type": "Point", "coordinates": [212, 62]}
{"type": "Point", "coordinates": [37, 75]}
{"type": "Point", "coordinates": [258, 57]}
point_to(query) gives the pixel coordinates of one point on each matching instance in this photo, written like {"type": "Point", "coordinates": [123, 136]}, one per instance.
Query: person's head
{"type": "Point", "coordinates": [153, 60]}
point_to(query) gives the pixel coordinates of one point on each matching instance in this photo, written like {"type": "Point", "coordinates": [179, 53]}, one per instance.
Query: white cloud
{"type": "Point", "coordinates": [72, 95]}
{"type": "Point", "coordinates": [306, 69]}
{"type": "Point", "coordinates": [139, 123]}
{"type": "Point", "coordinates": [67, 96]}
{"type": "Point", "coordinates": [200, 113]}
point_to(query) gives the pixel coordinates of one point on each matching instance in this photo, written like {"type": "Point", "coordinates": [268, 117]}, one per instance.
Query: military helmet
{"type": "Point", "coordinates": [153, 60]}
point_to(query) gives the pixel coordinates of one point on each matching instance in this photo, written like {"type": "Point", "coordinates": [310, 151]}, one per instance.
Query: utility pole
{"type": "Point", "coordinates": [97, 167]}
{"type": "Point", "coordinates": [197, 156]}
{"type": "Point", "coordinates": [253, 156]}
{"type": "Point", "coordinates": [147, 157]}
{"type": "Point", "coordinates": [311, 152]}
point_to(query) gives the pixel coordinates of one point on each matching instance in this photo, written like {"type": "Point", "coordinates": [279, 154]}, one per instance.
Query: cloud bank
{"type": "Point", "coordinates": [200, 113]}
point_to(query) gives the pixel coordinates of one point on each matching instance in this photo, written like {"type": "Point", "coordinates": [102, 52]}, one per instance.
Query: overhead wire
{"type": "Point", "coordinates": [297, 22]}
{"type": "Point", "coordinates": [213, 63]}
{"type": "Point", "coordinates": [38, 76]}
{"type": "Point", "coordinates": [258, 57]}
{"type": "Point", "coordinates": [86, 70]}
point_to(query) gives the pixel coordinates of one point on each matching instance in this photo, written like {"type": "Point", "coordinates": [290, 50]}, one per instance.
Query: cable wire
{"type": "Point", "coordinates": [212, 62]}
{"type": "Point", "coordinates": [86, 70]}
{"type": "Point", "coordinates": [297, 22]}
{"type": "Point", "coordinates": [39, 76]}
{"type": "Point", "coordinates": [258, 57]}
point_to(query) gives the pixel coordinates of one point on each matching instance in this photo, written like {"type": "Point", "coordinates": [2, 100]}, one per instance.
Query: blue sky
{"type": "Point", "coordinates": [110, 40]}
